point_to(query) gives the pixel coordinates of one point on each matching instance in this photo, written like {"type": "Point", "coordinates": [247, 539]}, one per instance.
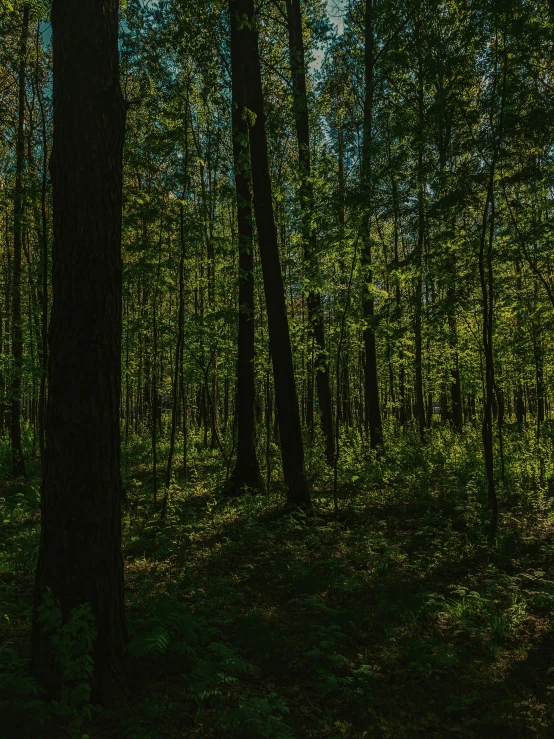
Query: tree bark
{"type": "Point", "coordinates": [18, 463]}
{"type": "Point", "coordinates": [538, 354]}
{"type": "Point", "coordinates": [178, 367]}
{"type": "Point", "coordinates": [292, 447]}
{"type": "Point", "coordinates": [246, 473]}
{"type": "Point", "coordinates": [2, 378]}
{"type": "Point", "coordinates": [309, 235]}
{"type": "Point", "coordinates": [418, 299]}
{"type": "Point", "coordinates": [178, 357]}
{"type": "Point", "coordinates": [486, 279]}
{"type": "Point", "coordinates": [154, 404]}
{"type": "Point", "coordinates": [455, 380]}
{"type": "Point", "coordinates": [43, 274]}
{"type": "Point", "coordinates": [80, 555]}
{"type": "Point", "coordinates": [371, 383]}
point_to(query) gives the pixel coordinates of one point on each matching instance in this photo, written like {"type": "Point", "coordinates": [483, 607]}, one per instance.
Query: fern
{"type": "Point", "coordinates": [72, 643]}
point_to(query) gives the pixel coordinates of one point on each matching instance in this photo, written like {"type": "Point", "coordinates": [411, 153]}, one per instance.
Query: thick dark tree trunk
{"type": "Point", "coordinates": [371, 384]}
{"type": "Point", "coordinates": [292, 447]}
{"type": "Point", "coordinates": [18, 463]}
{"type": "Point", "coordinates": [80, 546]}
{"type": "Point", "coordinates": [246, 473]}
{"type": "Point", "coordinates": [309, 234]}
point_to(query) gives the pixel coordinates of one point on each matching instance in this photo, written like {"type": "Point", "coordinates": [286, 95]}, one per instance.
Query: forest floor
{"type": "Point", "coordinates": [392, 618]}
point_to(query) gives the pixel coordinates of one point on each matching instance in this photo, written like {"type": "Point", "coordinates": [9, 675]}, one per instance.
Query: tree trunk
{"type": "Point", "coordinates": [18, 463]}
{"type": "Point", "coordinates": [371, 384]}
{"type": "Point", "coordinates": [185, 421]}
{"type": "Point", "coordinates": [292, 447]}
{"type": "Point", "coordinates": [80, 546]}
{"type": "Point", "coordinates": [418, 307]}
{"type": "Point", "coordinates": [178, 367]}
{"type": "Point", "coordinates": [455, 381]}
{"type": "Point", "coordinates": [43, 272]}
{"type": "Point", "coordinates": [154, 404]}
{"type": "Point", "coordinates": [519, 395]}
{"type": "Point", "coordinates": [344, 406]}
{"type": "Point", "coordinates": [246, 473]}
{"type": "Point", "coordinates": [486, 278]}
{"type": "Point", "coordinates": [2, 378]}
{"type": "Point", "coordinates": [178, 358]}
{"type": "Point", "coordinates": [309, 234]}
{"type": "Point", "coordinates": [538, 353]}
{"type": "Point", "coordinates": [128, 392]}
{"type": "Point", "coordinates": [401, 411]}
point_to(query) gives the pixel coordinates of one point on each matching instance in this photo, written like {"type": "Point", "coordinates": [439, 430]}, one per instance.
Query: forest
{"type": "Point", "coordinates": [276, 369]}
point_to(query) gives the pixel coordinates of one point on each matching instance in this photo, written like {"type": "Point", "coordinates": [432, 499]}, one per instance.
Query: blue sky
{"type": "Point", "coordinates": [335, 8]}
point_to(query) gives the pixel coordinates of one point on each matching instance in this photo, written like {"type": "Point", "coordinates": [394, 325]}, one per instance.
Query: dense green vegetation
{"type": "Point", "coordinates": [284, 306]}
{"type": "Point", "coordinates": [393, 618]}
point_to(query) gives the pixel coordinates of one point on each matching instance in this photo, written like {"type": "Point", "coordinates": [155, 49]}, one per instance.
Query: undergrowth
{"type": "Point", "coordinates": [392, 618]}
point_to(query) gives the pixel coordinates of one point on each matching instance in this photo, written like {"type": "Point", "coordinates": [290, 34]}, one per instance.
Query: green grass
{"type": "Point", "coordinates": [394, 618]}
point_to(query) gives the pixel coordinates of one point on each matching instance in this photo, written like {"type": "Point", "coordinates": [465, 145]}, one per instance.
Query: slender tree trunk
{"type": "Point", "coordinates": [154, 404]}
{"type": "Point", "coordinates": [7, 314]}
{"type": "Point", "coordinates": [430, 414]}
{"type": "Point", "coordinates": [455, 380]}
{"type": "Point", "coordinates": [18, 463]}
{"type": "Point", "coordinates": [43, 273]}
{"type": "Point", "coordinates": [398, 298]}
{"type": "Point", "coordinates": [371, 384]}
{"type": "Point", "coordinates": [418, 298]}
{"type": "Point", "coordinates": [139, 382]}
{"type": "Point", "coordinates": [487, 283]}
{"type": "Point", "coordinates": [268, 409]}
{"type": "Point", "coordinates": [456, 416]}
{"type": "Point", "coordinates": [246, 473]}
{"type": "Point", "coordinates": [292, 447]}
{"type": "Point", "coordinates": [127, 374]}
{"type": "Point", "coordinates": [178, 373]}
{"type": "Point", "coordinates": [185, 411]}
{"type": "Point", "coordinates": [2, 378]}
{"type": "Point", "coordinates": [486, 275]}
{"type": "Point", "coordinates": [344, 405]}
{"type": "Point", "coordinates": [538, 354]}
{"type": "Point", "coordinates": [519, 395]}
{"type": "Point", "coordinates": [178, 357]}
{"type": "Point", "coordinates": [80, 555]}
{"type": "Point", "coordinates": [309, 233]}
